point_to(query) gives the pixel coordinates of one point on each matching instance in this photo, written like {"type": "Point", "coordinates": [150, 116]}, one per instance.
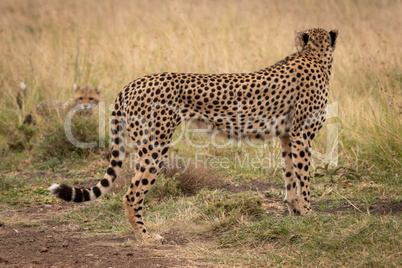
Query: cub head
{"type": "Point", "coordinates": [87, 96]}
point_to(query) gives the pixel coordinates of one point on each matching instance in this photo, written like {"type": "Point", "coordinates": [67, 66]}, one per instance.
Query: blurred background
{"type": "Point", "coordinates": [50, 45]}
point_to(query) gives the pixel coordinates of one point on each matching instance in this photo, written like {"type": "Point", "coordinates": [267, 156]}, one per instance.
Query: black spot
{"type": "Point", "coordinates": [300, 165]}
{"type": "Point", "coordinates": [115, 153]}
{"type": "Point", "coordinates": [111, 172]}
{"type": "Point", "coordinates": [97, 191]}
{"type": "Point", "coordinates": [144, 181]}
{"type": "Point", "coordinates": [86, 195]}
{"type": "Point", "coordinates": [154, 155]}
{"type": "Point", "coordinates": [164, 151]}
{"type": "Point", "coordinates": [152, 170]}
{"type": "Point", "coordinates": [288, 174]}
{"type": "Point", "coordinates": [78, 195]}
{"type": "Point", "coordinates": [105, 183]}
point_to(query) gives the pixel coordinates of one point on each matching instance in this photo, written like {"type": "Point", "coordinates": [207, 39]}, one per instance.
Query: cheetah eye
{"type": "Point", "coordinates": [91, 99]}
{"type": "Point", "coordinates": [80, 98]}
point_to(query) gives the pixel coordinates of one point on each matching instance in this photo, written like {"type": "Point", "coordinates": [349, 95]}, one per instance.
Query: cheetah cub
{"type": "Point", "coordinates": [86, 96]}
{"type": "Point", "coordinates": [287, 100]}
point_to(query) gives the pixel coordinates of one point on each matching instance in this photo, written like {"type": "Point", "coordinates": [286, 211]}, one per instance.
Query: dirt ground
{"type": "Point", "coordinates": [50, 244]}
{"type": "Point", "coordinates": [58, 245]}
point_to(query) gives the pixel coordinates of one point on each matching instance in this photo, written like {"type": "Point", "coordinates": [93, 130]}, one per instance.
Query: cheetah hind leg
{"type": "Point", "coordinates": [133, 202]}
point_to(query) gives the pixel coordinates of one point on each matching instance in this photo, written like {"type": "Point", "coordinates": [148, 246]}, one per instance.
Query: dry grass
{"type": "Point", "coordinates": [51, 45]}
{"type": "Point", "coordinates": [191, 177]}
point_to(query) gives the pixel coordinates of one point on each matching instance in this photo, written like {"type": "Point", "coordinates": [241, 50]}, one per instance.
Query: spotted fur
{"type": "Point", "coordinates": [287, 100]}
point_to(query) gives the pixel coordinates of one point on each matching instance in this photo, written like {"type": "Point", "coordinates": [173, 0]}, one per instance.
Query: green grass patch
{"type": "Point", "coordinates": [54, 142]}
{"type": "Point", "coordinates": [105, 216]}
{"type": "Point", "coordinates": [323, 239]}
{"type": "Point", "coordinates": [225, 210]}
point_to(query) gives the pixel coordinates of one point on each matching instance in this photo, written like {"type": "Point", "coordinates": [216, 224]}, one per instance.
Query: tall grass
{"type": "Point", "coordinates": [52, 44]}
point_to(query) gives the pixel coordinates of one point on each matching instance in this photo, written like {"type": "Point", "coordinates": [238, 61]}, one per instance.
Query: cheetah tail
{"type": "Point", "coordinates": [75, 194]}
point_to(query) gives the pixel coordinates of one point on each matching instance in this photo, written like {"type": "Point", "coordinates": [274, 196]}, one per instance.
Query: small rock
{"type": "Point", "coordinates": [44, 250]}
{"type": "Point", "coordinates": [48, 206]}
{"type": "Point", "coordinates": [65, 244]}
{"type": "Point", "coordinates": [89, 255]}
{"type": "Point", "coordinates": [130, 254]}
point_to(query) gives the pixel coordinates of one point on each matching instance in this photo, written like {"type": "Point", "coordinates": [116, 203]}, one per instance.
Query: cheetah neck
{"type": "Point", "coordinates": [324, 59]}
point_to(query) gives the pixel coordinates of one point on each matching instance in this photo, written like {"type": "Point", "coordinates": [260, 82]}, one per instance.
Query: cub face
{"type": "Point", "coordinates": [86, 96]}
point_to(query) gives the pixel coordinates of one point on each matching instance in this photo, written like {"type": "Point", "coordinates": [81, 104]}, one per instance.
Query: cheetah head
{"type": "Point", "coordinates": [86, 96]}
{"type": "Point", "coordinates": [316, 39]}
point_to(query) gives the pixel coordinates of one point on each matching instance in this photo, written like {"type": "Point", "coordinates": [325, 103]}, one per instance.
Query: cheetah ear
{"type": "Point", "coordinates": [301, 40]}
{"type": "Point", "coordinates": [334, 35]}
{"type": "Point", "coordinates": [98, 89]}
{"type": "Point", "coordinates": [75, 88]}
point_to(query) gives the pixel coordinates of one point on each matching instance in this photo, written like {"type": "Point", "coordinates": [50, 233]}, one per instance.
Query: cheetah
{"type": "Point", "coordinates": [287, 100]}
{"type": "Point", "coordinates": [88, 97]}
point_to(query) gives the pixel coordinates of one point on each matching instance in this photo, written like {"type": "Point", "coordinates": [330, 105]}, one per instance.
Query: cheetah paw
{"type": "Point", "coordinates": [293, 207]}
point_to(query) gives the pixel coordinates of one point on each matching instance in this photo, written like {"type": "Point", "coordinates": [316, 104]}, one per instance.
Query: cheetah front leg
{"type": "Point", "coordinates": [292, 185]}
{"type": "Point", "coordinates": [301, 157]}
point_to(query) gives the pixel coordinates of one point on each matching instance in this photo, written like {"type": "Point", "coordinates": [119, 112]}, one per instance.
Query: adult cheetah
{"type": "Point", "coordinates": [287, 100]}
